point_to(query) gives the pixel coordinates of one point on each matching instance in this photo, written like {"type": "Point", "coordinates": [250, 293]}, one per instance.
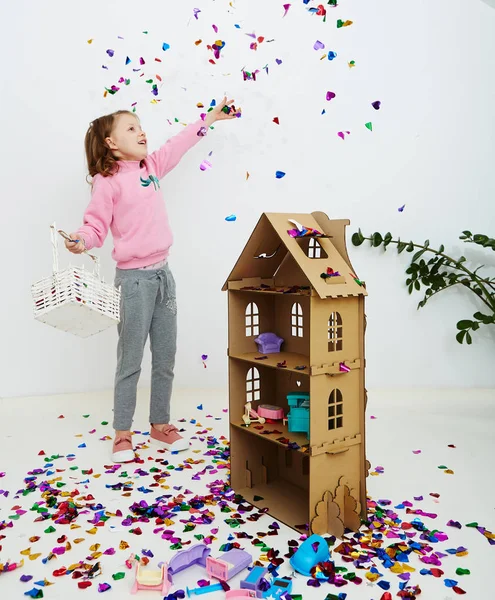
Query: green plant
{"type": "Point", "coordinates": [442, 272]}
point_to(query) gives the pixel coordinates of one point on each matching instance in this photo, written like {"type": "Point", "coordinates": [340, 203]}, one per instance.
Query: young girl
{"type": "Point", "coordinates": [126, 198]}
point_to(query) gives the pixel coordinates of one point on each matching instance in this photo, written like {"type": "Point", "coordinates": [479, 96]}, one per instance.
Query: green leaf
{"type": "Point", "coordinates": [387, 239]}
{"type": "Point", "coordinates": [465, 324]}
{"type": "Point", "coordinates": [376, 239]}
{"type": "Point", "coordinates": [480, 238]}
{"type": "Point", "coordinates": [427, 243]}
{"type": "Point", "coordinates": [410, 247]}
{"type": "Point", "coordinates": [460, 336]}
{"type": "Point", "coordinates": [469, 339]}
{"type": "Point", "coordinates": [417, 285]}
{"type": "Point", "coordinates": [400, 247]}
{"type": "Point", "coordinates": [442, 248]}
{"type": "Point", "coordinates": [418, 255]}
{"type": "Point", "coordinates": [467, 233]}
{"type": "Point", "coordinates": [357, 238]}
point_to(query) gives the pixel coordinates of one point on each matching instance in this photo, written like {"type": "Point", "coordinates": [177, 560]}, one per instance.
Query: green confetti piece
{"type": "Point", "coordinates": [369, 126]}
{"type": "Point", "coordinates": [117, 576]}
{"type": "Point", "coordinates": [199, 536]}
{"type": "Point", "coordinates": [460, 571]}
{"type": "Point", "coordinates": [257, 498]}
{"type": "Point", "coordinates": [442, 467]}
{"type": "Point", "coordinates": [176, 546]}
{"type": "Point", "coordinates": [473, 524]}
{"type": "Point", "coordinates": [61, 484]}
{"type": "Point", "coordinates": [14, 517]}
{"type": "Point", "coordinates": [50, 529]}
{"type": "Point", "coordinates": [350, 576]}
{"type": "Point", "coordinates": [85, 416]}
{"type": "Point", "coordinates": [74, 468]}
{"type": "Point", "coordinates": [189, 527]}
{"type": "Point", "coordinates": [104, 422]}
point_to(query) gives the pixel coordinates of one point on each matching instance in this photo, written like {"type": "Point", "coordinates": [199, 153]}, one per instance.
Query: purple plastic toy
{"type": "Point", "coordinates": [228, 564]}
{"type": "Point", "coordinates": [269, 343]}
{"type": "Point", "coordinates": [195, 555]}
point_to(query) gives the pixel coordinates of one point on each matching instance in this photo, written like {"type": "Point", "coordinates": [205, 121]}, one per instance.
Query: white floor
{"type": "Point", "coordinates": [405, 421]}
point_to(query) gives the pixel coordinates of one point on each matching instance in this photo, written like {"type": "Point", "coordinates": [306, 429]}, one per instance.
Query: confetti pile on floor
{"type": "Point", "coordinates": [151, 515]}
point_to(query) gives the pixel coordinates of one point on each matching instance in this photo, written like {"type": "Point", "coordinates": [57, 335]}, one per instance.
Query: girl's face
{"type": "Point", "coordinates": [127, 140]}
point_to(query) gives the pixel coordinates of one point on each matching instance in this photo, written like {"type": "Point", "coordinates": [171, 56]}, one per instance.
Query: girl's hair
{"type": "Point", "coordinates": [98, 155]}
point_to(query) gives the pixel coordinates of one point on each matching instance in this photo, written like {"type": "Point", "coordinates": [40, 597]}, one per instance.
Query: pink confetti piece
{"type": "Point", "coordinates": [286, 9]}
{"type": "Point", "coordinates": [416, 451]}
{"type": "Point", "coordinates": [205, 165]}
{"type": "Point", "coordinates": [330, 96]}
{"type": "Point", "coordinates": [215, 28]}
{"type": "Point", "coordinates": [341, 134]}
{"type": "Point", "coordinates": [318, 45]}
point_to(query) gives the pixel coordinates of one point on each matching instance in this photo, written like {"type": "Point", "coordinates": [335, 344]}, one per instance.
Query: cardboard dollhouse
{"type": "Point", "coordinates": [307, 464]}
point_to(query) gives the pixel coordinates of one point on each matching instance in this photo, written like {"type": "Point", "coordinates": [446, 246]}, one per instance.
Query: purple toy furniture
{"type": "Point", "coordinates": [195, 555]}
{"type": "Point", "coordinates": [253, 580]}
{"type": "Point", "coordinates": [228, 564]}
{"type": "Point", "coordinates": [269, 343]}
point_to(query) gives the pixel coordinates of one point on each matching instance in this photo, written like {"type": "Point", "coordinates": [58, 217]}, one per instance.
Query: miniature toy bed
{"type": "Point", "coordinates": [228, 564]}
{"type": "Point", "coordinates": [154, 581]}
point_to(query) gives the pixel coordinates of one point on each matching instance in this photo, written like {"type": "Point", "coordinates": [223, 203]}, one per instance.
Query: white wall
{"type": "Point", "coordinates": [432, 149]}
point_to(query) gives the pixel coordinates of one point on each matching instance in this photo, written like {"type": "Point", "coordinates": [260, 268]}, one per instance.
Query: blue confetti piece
{"type": "Point", "coordinates": [450, 583]}
{"type": "Point", "coordinates": [279, 174]}
{"type": "Point", "coordinates": [237, 26]}
{"type": "Point", "coordinates": [127, 60]}
{"type": "Point", "coordinates": [231, 218]}
{"type": "Point", "coordinates": [425, 572]}
{"type": "Point", "coordinates": [83, 445]}
{"type": "Point", "coordinates": [385, 585]}
{"type": "Point", "coordinates": [34, 593]}
{"type": "Point", "coordinates": [199, 407]}
{"type": "Point", "coordinates": [323, 112]}
{"type": "Point", "coordinates": [165, 46]}
{"type": "Point", "coordinates": [399, 506]}
{"type": "Point", "coordinates": [401, 208]}
{"type": "Point", "coordinates": [213, 102]}
{"type": "Point", "coordinates": [331, 55]}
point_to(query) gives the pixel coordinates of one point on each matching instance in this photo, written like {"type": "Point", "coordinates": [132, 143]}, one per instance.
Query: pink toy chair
{"type": "Point", "coordinates": [153, 581]}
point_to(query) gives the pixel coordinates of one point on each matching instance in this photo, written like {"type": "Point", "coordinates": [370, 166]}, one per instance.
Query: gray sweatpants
{"type": "Point", "coordinates": [148, 306]}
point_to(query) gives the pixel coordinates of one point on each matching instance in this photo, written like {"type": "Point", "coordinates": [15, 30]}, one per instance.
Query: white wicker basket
{"type": "Point", "coordinates": [75, 300]}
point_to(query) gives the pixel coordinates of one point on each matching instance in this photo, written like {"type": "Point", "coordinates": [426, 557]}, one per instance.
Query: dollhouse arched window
{"type": "Point", "coordinates": [314, 248]}
{"type": "Point", "coordinates": [335, 337]}
{"type": "Point", "coordinates": [253, 385]}
{"type": "Point", "coordinates": [335, 410]}
{"type": "Point", "coordinates": [296, 320]}
{"type": "Point", "coordinates": [252, 319]}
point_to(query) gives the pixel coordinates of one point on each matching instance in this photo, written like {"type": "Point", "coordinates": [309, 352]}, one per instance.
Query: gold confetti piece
{"type": "Point", "coordinates": [26, 552]}
{"type": "Point", "coordinates": [78, 541]}
{"type": "Point", "coordinates": [372, 576]}
{"type": "Point", "coordinates": [97, 476]}
{"type": "Point", "coordinates": [94, 547]}
{"type": "Point", "coordinates": [123, 545]}
{"type": "Point", "coordinates": [92, 531]}
{"type": "Point", "coordinates": [198, 42]}
{"type": "Point", "coordinates": [34, 556]}
{"type": "Point", "coordinates": [33, 539]}
{"type": "Point", "coordinates": [90, 41]}
{"type": "Point", "coordinates": [75, 526]}
{"type": "Point", "coordinates": [449, 471]}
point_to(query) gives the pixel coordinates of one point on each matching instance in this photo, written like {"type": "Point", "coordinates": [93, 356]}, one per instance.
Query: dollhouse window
{"type": "Point", "coordinates": [252, 319]}
{"type": "Point", "coordinates": [335, 338]}
{"type": "Point", "coordinates": [253, 385]}
{"type": "Point", "coordinates": [297, 320]}
{"type": "Point", "coordinates": [314, 249]}
{"type": "Point", "coordinates": [335, 410]}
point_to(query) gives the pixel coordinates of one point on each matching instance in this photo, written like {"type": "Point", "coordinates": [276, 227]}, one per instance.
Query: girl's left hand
{"type": "Point", "coordinates": [218, 113]}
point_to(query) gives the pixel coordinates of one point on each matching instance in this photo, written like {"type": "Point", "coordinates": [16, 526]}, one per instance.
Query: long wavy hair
{"type": "Point", "coordinates": [98, 155]}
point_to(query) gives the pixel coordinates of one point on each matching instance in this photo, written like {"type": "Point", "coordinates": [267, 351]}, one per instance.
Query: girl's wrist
{"type": "Point", "coordinates": [209, 119]}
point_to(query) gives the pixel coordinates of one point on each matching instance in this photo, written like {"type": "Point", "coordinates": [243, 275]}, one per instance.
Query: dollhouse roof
{"type": "Point", "coordinates": [285, 253]}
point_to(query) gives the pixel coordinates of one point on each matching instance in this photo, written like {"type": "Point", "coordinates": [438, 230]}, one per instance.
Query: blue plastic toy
{"type": "Point", "coordinates": [199, 591]}
{"type": "Point", "coordinates": [279, 586]}
{"type": "Point", "coordinates": [298, 417]}
{"type": "Point", "coordinates": [312, 551]}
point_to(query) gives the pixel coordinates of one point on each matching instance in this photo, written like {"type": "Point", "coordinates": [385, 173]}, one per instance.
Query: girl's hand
{"type": "Point", "coordinates": [76, 247]}
{"type": "Point", "coordinates": [219, 114]}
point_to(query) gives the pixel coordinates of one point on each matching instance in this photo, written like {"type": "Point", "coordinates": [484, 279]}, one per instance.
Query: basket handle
{"type": "Point", "coordinates": [53, 233]}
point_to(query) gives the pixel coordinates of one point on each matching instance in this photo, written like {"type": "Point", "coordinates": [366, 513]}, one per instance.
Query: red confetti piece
{"type": "Point", "coordinates": [458, 590]}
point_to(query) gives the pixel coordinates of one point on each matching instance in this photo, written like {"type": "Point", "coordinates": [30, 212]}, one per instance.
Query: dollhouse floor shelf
{"type": "Point", "coordinates": [284, 501]}
{"type": "Point", "coordinates": [300, 439]}
{"type": "Point", "coordinates": [293, 360]}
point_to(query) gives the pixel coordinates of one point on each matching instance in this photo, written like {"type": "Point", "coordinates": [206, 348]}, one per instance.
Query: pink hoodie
{"type": "Point", "coordinates": [131, 205]}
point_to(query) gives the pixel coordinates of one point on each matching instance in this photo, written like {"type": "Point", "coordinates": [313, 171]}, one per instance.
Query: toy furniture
{"type": "Point", "coordinates": [269, 411]}
{"type": "Point", "coordinates": [253, 579]}
{"type": "Point", "coordinates": [251, 416]}
{"type": "Point", "coordinates": [269, 343]}
{"type": "Point", "coordinates": [228, 564]}
{"type": "Point", "coordinates": [195, 555]}
{"type": "Point", "coordinates": [275, 286]}
{"type": "Point", "coordinates": [239, 594]}
{"type": "Point", "coordinates": [311, 552]}
{"type": "Point", "coordinates": [279, 586]}
{"type": "Point", "coordinates": [154, 581]}
{"type": "Point", "coordinates": [298, 416]}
